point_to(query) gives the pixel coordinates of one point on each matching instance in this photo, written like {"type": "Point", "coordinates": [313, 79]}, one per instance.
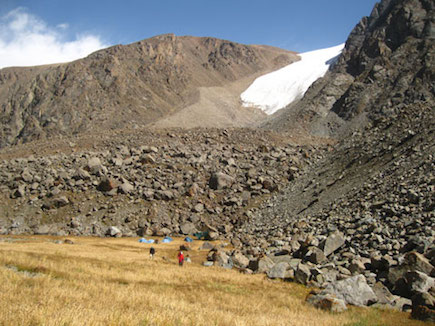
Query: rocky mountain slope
{"type": "Point", "coordinates": [388, 61]}
{"type": "Point", "coordinates": [129, 86]}
{"type": "Point", "coordinates": [351, 210]}
{"type": "Point", "coordinates": [372, 195]}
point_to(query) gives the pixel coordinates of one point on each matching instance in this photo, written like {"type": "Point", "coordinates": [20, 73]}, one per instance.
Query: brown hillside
{"type": "Point", "coordinates": [126, 86]}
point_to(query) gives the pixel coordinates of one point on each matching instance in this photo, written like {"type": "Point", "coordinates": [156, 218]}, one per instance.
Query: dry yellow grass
{"type": "Point", "coordinates": [113, 282]}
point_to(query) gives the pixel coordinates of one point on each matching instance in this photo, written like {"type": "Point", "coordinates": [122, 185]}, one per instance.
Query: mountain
{"type": "Point", "coordinates": [387, 60]}
{"type": "Point", "coordinates": [132, 86]}
{"type": "Point", "coordinates": [336, 190]}
{"type": "Point", "coordinates": [372, 192]}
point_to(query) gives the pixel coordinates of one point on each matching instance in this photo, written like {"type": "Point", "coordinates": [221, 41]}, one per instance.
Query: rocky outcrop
{"type": "Point", "coordinates": [388, 62]}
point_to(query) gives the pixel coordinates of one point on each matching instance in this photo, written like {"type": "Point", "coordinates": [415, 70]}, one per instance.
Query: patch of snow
{"type": "Point", "coordinates": [277, 89]}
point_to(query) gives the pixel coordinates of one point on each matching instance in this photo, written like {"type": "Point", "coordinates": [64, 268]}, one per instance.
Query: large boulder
{"type": "Point", "coordinates": [113, 231]}
{"type": "Point", "coordinates": [107, 184]}
{"type": "Point", "coordinates": [261, 265]}
{"type": "Point", "coordinates": [95, 166]}
{"type": "Point", "coordinates": [240, 260]}
{"type": "Point", "coordinates": [353, 290]}
{"type": "Point", "coordinates": [281, 271]}
{"type": "Point", "coordinates": [326, 301]}
{"type": "Point", "coordinates": [302, 274]}
{"type": "Point", "coordinates": [333, 242]}
{"type": "Point", "coordinates": [188, 228]}
{"type": "Point", "coordinates": [220, 181]}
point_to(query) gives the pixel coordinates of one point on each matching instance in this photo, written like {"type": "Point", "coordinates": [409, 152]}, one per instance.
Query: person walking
{"type": "Point", "coordinates": [152, 252]}
{"type": "Point", "coordinates": [180, 258]}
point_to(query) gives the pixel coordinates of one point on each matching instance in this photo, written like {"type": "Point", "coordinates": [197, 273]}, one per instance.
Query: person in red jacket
{"type": "Point", "coordinates": [180, 258]}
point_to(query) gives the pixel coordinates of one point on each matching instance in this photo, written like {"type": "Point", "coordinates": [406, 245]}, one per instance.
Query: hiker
{"type": "Point", "coordinates": [188, 260]}
{"type": "Point", "coordinates": [180, 258]}
{"type": "Point", "coordinates": [152, 252]}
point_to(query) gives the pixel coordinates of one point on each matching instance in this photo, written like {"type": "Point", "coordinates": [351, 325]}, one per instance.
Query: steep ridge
{"type": "Point", "coordinates": [123, 86]}
{"type": "Point", "coordinates": [374, 190]}
{"type": "Point", "coordinates": [388, 60]}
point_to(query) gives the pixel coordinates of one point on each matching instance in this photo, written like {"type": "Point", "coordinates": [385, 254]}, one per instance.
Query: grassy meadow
{"type": "Point", "coordinates": [106, 281]}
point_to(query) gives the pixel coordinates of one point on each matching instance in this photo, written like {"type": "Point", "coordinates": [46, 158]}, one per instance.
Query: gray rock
{"type": "Point", "coordinates": [188, 228]}
{"type": "Point", "coordinates": [220, 181]}
{"type": "Point", "coordinates": [302, 274]}
{"type": "Point", "coordinates": [240, 260]}
{"type": "Point", "coordinates": [419, 282]}
{"type": "Point", "coordinates": [126, 188]}
{"type": "Point", "coordinates": [279, 270]}
{"type": "Point", "coordinates": [95, 166]}
{"type": "Point", "coordinates": [113, 231]}
{"type": "Point", "coordinates": [315, 255]}
{"type": "Point", "coordinates": [220, 258]}
{"type": "Point", "coordinates": [333, 242]}
{"type": "Point", "coordinates": [261, 265]}
{"type": "Point", "coordinates": [207, 263]}
{"type": "Point", "coordinates": [327, 302]}
{"type": "Point", "coordinates": [206, 246]}
{"type": "Point", "coordinates": [353, 290]}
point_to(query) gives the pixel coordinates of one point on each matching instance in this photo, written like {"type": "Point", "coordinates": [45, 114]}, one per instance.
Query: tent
{"type": "Point", "coordinates": [188, 239]}
{"type": "Point", "coordinates": [143, 240]}
{"type": "Point", "coordinates": [201, 235]}
{"type": "Point", "coordinates": [167, 240]}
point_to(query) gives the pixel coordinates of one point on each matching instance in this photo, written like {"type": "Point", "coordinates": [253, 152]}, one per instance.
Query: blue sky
{"type": "Point", "coordinates": [301, 25]}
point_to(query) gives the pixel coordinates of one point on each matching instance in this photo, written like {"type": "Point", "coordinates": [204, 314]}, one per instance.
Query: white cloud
{"type": "Point", "coordinates": [26, 40]}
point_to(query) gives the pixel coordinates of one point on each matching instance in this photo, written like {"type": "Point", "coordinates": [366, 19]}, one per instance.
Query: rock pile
{"type": "Point", "coordinates": [178, 184]}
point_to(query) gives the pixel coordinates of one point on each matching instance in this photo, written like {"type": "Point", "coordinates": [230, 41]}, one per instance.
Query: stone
{"type": "Point", "coordinates": [240, 260]}
{"type": "Point", "coordinates": [315, 255]}
{"type": "Point", "coordinates": [206, 246]}
{"type": "Point", "coordinates": [423, 313]}
{"type": "Point", "coordinates": [418, 262]}
{"type": "Point", "coordinates": [220, 258]}
{"type": "Point", "coordinates": [353, 290]}
{"type": "Point", "coordinates": [333, 242]}
{"type": "Point", "coordinates": [126, 188]}
{"type": "Point", "coordinates": [220, 181]}
{"type": "Point", "coordinates": [113, 231]}
{"type": "Point", "coordinates": [188, 228]}
{"type": "Point", "coordinates": [326, 301]}
{"type": "Point", "coordinates": [419, 282]}
{"type": "Point", "coordinates": [207, 263]}
{"type": "Point", "coordinates": [19, 192]}
{"type": "Point", "coordinates": [95, 166]}
{"type": "Point", "coordinates": [279, 271]}
{"type": "Point", "coordinates": [147, 159]}
{"type": "Point", "coordinates": [42, 230]}
{"type": "Point", "coordinates": [198, 208]}
{"type": "Point", "coordinates": [213, 235]}
{"type": "Point", "coordinates": [106, 185]}
{"type": "Point", "coordinates": [302, 274]}
{"type": "Point", "coordinates": [81, 174]}
{"type": "Point", "coordinates": [357, 267]}
{"type": "Point", "coordinates": [261, 265]}
{"type": "Point", "coordinates": [383, 295]}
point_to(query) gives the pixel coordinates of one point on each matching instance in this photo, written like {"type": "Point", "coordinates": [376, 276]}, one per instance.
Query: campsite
{"type": "Point", "coordinates": [50, 280]}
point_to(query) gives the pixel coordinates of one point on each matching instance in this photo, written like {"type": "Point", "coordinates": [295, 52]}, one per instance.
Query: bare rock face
{"type": "Point", "coordinates": [388, 61]}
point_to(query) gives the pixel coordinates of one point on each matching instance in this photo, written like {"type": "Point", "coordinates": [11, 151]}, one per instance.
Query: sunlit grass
{"type": "Point", "coordinates": [99, 281]}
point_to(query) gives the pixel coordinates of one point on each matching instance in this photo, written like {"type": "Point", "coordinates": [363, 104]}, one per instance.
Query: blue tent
{"type": "Point", "coordinates": [168, 238]}
{"type": "Point", "coordinates": [188, 239]}
{"type": "Point", "coordinates": [143, 240]}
